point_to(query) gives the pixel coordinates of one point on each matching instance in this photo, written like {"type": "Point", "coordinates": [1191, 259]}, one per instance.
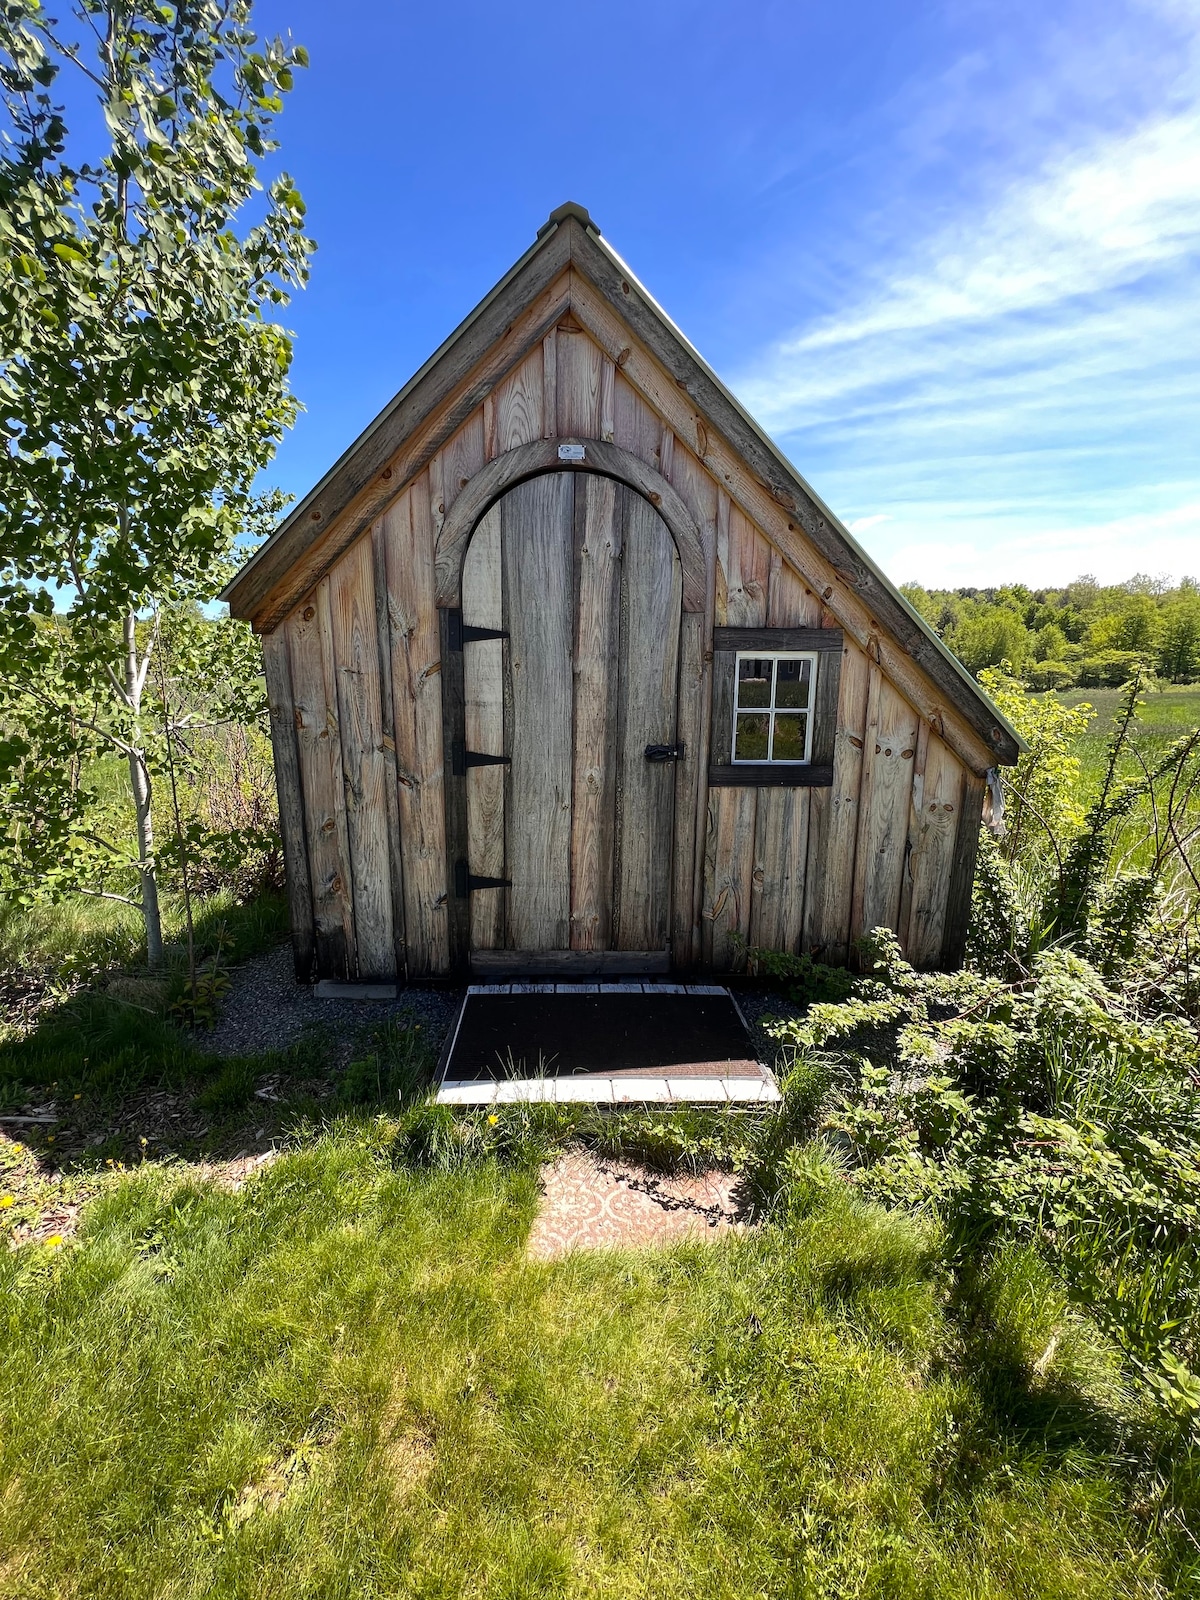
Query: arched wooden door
{"type": "Point", "coordinates": [571, 602]}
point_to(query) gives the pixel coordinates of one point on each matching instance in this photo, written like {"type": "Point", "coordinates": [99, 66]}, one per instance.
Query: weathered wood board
{"type": "Point", "coordinates": [309, 638]}
{"type": "Point", "coordinates": [598, 551]}
{"type": "Point", "coordinates": [291, 799]}
{"type": "Point", "coordinates": [537, 519]}
{"type": "Point", "coordinates": [417, 709]}
{"type": "Point", "coordinates": [833, 820]}
{"type": "Point", "coordinates": [936, 807]}
{"type": "Point", "coordinates": [884, 807]}
{"type": "Point", "coordinates": [651, 600]}
{"type": "Point", "coordinates": [366, 768]}
{"type": "Point", "coordinates": [729, 869]}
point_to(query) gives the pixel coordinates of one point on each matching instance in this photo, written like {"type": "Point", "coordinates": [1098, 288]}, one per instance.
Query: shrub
{"type": "Point", "coordinates": [1043, 675]}
{"type": "Point", "coordinates": [1049, 1113]}
{"type": "Point", "coordinates": [1110, 669]}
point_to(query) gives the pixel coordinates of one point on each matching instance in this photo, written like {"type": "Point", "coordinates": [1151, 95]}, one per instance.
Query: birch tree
{"type": "Point", "coordinates": [143, 379]}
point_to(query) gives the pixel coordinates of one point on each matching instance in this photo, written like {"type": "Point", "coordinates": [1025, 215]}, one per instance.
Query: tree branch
{"type": "Point", "coordinates": [84, 722]}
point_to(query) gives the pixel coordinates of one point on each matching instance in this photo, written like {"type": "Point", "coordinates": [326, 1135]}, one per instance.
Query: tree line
{"type": "Point", "coordinates": [1087, 634]}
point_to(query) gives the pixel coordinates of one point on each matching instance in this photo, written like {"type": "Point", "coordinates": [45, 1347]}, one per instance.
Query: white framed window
{"type": "Point", "coordinates": [772, 707]}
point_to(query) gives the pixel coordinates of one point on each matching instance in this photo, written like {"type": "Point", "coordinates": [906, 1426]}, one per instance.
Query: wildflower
{"type": "Point", "coordinates": [493, 1119]}
{"type": "Point", "coordinates": [6, 1201]}
{"type": "Point", "coordinates": [49, 1138]}
{"type": "Point", "coordinates": [54, 1241]}
{"type": "Point", "coordinates": [79, 1097]}
{"type": "Point", "coordinates": [143, 1139]}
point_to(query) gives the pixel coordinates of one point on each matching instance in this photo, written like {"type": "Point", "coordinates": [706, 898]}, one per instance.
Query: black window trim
{"type": "Point", "coordinates": [828, 645]}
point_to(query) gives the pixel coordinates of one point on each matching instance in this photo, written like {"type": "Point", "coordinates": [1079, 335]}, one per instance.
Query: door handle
{"type": "Point", "coordinates": [665, 752]}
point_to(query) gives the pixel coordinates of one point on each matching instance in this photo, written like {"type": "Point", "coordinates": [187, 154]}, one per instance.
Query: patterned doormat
{"type": "Point", "coordinates": [591, 1203]}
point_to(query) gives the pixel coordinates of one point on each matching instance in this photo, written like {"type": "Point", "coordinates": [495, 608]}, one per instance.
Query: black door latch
{"type": "Point", "coordinates": [664, 752]}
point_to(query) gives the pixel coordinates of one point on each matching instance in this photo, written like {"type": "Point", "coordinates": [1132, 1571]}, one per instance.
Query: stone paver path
{"type": "Point", "coordinates": [591, 1203]}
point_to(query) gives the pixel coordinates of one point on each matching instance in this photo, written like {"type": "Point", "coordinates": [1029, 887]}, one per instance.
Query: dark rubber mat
{"type": "Point", "coordinates": [617, 1035]}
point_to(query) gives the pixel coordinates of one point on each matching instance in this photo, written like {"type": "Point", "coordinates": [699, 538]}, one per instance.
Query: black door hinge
{"type": "Point", "coordinates": [461, 633]}
{"type": "Point", "coordinates": [461, 758]}
{"type": "Point", "coordinates": [665, 752]}
{"type": "Point", "coordinates": [465, 881]}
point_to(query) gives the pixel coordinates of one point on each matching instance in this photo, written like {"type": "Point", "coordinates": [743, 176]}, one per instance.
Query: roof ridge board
{"type": "Point", "coordinates": [845, 537]}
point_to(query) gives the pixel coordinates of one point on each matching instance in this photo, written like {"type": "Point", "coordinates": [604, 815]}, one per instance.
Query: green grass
{"type": "Point", "coordinates": [86, 935]}
{"type": "Point", "coordinates": [1167, 715]}
{"type": "Point", "coordinates": [346, 1380]}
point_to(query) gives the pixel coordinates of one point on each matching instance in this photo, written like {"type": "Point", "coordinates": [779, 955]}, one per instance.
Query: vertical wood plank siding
{"type": "Point", "coordinates": [383, 634]}
{"type": "Point", "coordinates": [537, 563]}
{"type": "Point", "coordinates": [417, 709]}
{"type": "Point", "coordinates": [365, 768]}
{"type": "Point", "coordinates": [937, 806]}
{"type": "Point", "coordinates": [743, 570]}
{"type": "Point", "coordinates": [699, 493]}
{"type": "Point", "coordinates": [781, 836]}
{"type": "Point", "coordinates": [962, 872]}
{"type": "Point", "coordinates": [884, 807]}
{"type": "Point", "coordinates": [648, 698]}
{"type": "Point", "coordinates": [635, 427]}
{"type": "Point", "coordinates": [517, 411]}
{"type": "Point", "coordinates": [580, 365]}
{"type": "Point", "coordinates": [359, 677]}
{"type": "Point", "coordinates": [833, 820]}
{"type": "Point", "coordinates": [291, 799]}
{"type": "Point", "coordinates": [598, 534]}
{"type": "Point", "coordinates": [320, 781]}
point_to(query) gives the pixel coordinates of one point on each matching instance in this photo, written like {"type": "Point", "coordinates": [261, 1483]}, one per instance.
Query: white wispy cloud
{"type": "Point", "coordinates": [1022, 389]}
{"type": "Point", "coordinates": [1089, 223]}
{"type": "Point", "coordinates": [1166, 542]}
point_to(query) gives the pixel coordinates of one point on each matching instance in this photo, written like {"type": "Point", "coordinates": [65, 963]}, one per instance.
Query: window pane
{"type": "Point", "coordinates": [793, 680]}
{"type": "Point", "coordinates": [754, 682]}
{"type": "Point", "coordinates": [789, 737]}
{"type": "Point", "coordinates": [750, 740]}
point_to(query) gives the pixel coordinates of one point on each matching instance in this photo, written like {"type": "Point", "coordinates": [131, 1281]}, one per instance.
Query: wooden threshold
{"type": "Point", "coordinates": [567, 963]}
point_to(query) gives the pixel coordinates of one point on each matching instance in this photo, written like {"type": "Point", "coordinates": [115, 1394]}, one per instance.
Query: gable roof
{"type": "Point", "coordinates": [360, 481]}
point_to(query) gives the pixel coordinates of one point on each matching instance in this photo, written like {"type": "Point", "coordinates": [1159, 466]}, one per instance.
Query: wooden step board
{"type": "Point", "coordinates": [617, 1043]}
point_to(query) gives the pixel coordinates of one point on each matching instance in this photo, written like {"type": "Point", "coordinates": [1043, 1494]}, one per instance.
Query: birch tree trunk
{"type": "Point", "coordinates": [139, 778]}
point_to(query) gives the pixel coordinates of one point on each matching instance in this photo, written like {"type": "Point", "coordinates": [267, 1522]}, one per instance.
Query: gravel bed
{"type": "Point", "coordinates": [758, 1006]}
{"type": "Point", "coordinates": [265, 1008]}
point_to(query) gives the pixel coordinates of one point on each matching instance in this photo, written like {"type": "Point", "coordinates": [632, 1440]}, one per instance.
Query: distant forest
{"type": "Point", "coordinates": [1087, 634]}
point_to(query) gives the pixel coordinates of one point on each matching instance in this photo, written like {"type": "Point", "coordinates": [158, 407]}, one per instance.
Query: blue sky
{"type": "Point", "coordinates": [949, 254]}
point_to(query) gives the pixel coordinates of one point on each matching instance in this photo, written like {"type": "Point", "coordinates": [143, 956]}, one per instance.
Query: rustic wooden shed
{"type": "Point", "coordinates": [570, 671]}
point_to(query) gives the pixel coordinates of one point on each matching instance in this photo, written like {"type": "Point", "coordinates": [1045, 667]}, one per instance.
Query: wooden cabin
{"type": "Point", "coordinates": [571, 672]}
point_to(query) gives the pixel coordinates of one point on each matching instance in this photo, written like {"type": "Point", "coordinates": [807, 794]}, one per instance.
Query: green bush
{"type": "Point", "coordinates": [1048, 1113]}
{"type": "Point", "coordinates": [1110, 669]}
{"type": "Point", "coordinates": [1043, 675]}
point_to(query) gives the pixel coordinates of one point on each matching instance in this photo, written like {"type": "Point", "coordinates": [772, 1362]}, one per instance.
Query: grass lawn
{"type": "Point", "coordinates": [345, 1379]}
{"type": "Point", "coordinates": [1167, 715]}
